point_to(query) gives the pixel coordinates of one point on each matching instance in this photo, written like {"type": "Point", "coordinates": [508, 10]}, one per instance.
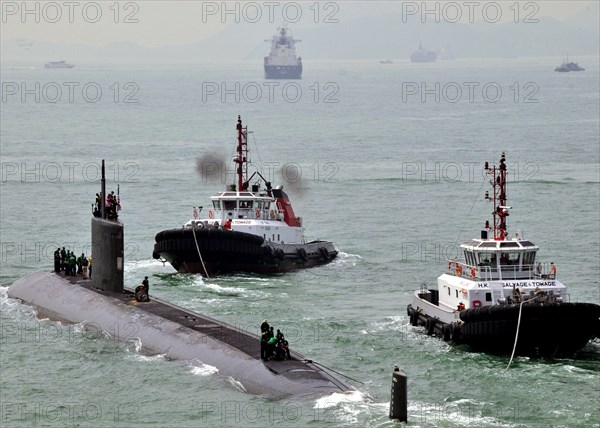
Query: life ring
{"type": "Point", "coordinates": [272, 215]}
{"type": "Point", "coordinates": [257, 213]}
{"type": "Point", "coordinates": [473, 272]}
{"type": "Point", "coordinates": [458, 269]}
{"type": "Point", "coordinates": [302, 254]}
{"type": "Point", "coordinates": [210, 214]}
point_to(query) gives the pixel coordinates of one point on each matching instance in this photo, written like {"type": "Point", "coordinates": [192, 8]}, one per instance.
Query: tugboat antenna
{"type": "Point", "coordinates": [498, 174]}
{"type": "Point", "coordinates": [242, 155]}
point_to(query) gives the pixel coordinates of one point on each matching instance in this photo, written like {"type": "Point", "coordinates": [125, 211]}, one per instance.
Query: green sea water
{"type": "Point", "coordinates": [392, 176]}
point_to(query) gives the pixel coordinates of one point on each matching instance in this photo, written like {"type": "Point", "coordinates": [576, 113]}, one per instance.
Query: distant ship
{"type": "Point", "coordinates": [567, 66]}
{"type": "Point", "coordinates": [423, 55]}
{"type": "Point", "coordinates": [282, 62]}
{"type": "Point", "coordinates": [58, 64]}
{"type": "Point", "coordinates": [386, 61]}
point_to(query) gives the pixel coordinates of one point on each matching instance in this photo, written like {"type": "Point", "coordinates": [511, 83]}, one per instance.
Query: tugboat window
{"type": "Point", "coordinates": [529, 258]}
{"type": "Point", "coordinates": [229, 205]}
{"type": "Point", "coordinates": [509, 259]}
{"type": "Point", "coordinates": [488, 297]}
{"type": "Point", "coordinates": [217, 205]}
{"type": "Point", "coordinates": [487, 259]}
{"type": "Point", "coordinates": [245, 205]}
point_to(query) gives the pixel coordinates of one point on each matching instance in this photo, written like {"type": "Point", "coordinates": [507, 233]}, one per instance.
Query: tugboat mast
{"type": "Point", "coordinates": [242, 156]}
{"type": "Point", "coordinates": [498, 174]}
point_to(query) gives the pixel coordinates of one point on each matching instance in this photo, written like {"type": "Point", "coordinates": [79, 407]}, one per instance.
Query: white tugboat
{"type": "Point", "coordinates": [499, 291]}
{"type": "Point", "coordinates": [282, 62]}
{"type": "Point", "coordinates": [247, 228]}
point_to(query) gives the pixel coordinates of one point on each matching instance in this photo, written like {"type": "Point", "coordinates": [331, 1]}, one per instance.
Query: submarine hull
{"type": "Point", "coordinates": [177, 333]}
{"type": "Point", "coordinates": [230, 251]}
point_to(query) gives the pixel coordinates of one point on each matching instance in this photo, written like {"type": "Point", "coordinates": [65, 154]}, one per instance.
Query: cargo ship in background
{"type": "Point", "coordinates": [500, 298]}
{"type": "Point", "coordinates": [423, 55]}
{"type": "Point", "coordinates": [58, 64]}
{"type": "Point", "coordinates": [249, 227]}
{"type": "Point", "coordinates": [282, 62]}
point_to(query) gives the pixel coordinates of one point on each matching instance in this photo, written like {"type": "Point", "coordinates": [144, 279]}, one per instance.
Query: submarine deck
{"type": "Point", "coordinates": [296, 368]}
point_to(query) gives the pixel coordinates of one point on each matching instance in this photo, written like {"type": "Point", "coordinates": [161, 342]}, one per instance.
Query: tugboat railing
{"type": "Point", "coordinates": [505, 272]}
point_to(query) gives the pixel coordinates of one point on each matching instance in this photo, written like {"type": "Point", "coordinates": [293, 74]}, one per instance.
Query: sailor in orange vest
{"type": "Point", "coordinates": [228, 224]}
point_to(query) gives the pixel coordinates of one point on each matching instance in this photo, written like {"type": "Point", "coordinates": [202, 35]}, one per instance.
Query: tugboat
{"type": "Point", "coordinates": [423, 55]}
{"type": "Point", "coordinates": [248, 228]}
{"type": "Point", "coordinates": [499, 299]}
{"type": "Point", "coordinates": [282, 62]}
{"type": "Point", "coordinates": [58, 64]}
{"type": "Point", "coordinates": [567, 66]}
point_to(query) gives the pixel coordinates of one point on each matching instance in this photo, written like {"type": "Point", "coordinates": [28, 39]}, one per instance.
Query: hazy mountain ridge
{"type": "Point", "coordinates": [361, 38]}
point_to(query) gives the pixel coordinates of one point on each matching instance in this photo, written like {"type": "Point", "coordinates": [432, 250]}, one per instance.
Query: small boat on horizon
{"type": "Point", "coordinates": [58, 64]}
{"type": "Point", "coordinates": [499, 298]}
{"type": "Point", "coordinates": [567, 66]}
{"type": "Point", "coordinates": [423, 55]}
{"type": "Point", "coordinates": [249, 227]}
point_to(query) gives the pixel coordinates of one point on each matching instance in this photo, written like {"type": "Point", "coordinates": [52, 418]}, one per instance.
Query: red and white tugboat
{"type": "Point", "coordinates": [500, 290]}
{"type": "Point", "coordinates": [247, 228]}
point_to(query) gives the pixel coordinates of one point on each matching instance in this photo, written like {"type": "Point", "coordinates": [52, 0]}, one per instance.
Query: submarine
{"type": "Point", "coordinates": [162, 327]}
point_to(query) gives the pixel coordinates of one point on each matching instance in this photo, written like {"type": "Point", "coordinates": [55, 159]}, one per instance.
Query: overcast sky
{"type": "Point", "coordinates": [158, 23]}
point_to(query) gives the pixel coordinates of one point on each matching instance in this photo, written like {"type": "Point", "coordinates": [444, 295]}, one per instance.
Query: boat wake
{"type": "Point", "coordinates": [344, 260]}
{"type": "Point", "coordinates": [200, 369]}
